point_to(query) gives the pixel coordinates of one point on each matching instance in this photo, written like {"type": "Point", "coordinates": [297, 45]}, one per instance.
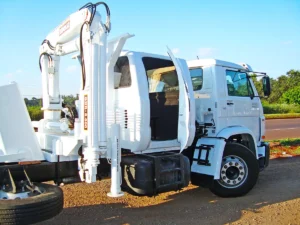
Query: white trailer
{"type": "Point", "coordinates": [152, 123]}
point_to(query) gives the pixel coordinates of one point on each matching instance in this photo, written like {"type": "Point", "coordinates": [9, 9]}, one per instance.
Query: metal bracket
{"type": "Point", "coordinates": [28, 184]}
{"type": "Point", "coordinates": [205, 161]}
{"type": "Point", "coordinates": [115, 47]}
{"type": "Point", "coordinates": [12, 182]}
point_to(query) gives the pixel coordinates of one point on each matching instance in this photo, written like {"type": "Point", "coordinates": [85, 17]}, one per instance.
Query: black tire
{"type": "Point", "coordinates": [33, 209]}
{"type": "Point", "coordinates": [235, 149]}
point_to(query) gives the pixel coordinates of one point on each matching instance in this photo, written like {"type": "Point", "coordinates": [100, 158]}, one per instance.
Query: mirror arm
{"type": "Point", "coordinates": [259, 96]}
{"type": "Point", "coordinates": [251, 76]}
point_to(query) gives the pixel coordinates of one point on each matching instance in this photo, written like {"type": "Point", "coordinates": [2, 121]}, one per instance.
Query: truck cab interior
{"type": "Point", "coordinates": [163, 94]}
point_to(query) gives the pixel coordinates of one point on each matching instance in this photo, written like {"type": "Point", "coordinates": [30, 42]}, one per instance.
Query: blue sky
{"type": "Point", "coordinates": [264, 34]}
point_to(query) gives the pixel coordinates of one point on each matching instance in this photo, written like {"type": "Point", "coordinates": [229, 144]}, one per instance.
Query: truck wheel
{"type": "Point", "coordinates": [23, 208]}
{"type": "Point", "coordinates": [239, 172]}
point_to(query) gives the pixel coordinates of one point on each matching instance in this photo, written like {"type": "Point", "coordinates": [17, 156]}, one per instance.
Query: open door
{"type": "Point", "coordinates": [184, 104]}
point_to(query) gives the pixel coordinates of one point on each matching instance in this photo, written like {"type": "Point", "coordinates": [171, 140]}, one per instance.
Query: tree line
{"type": "Point", "coordinates": [67, 99]}
{"type": "Point", "coordinates": [34, 106]}
{"type": "Point", "coordinates": [284, 89]}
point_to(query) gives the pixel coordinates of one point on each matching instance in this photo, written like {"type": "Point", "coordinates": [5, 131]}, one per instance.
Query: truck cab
{"type": "Point", "coordinates": [226, 96]}
{"type": "Point", "coordinates": [224, 112]}
{"type": "Point", "coordinates": [229, 115]}
{"type": "Point", "coordinates": [152, 99]}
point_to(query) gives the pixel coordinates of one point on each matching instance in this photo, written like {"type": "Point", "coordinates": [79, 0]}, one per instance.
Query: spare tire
{"type": "Point", "coordinates": [32, 209]}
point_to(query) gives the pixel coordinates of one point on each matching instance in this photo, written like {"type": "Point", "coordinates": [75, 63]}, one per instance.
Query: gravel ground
{"type": "Point", "coordinates": [274, 200]}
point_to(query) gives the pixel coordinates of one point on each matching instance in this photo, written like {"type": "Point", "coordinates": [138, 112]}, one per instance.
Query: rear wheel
{"type": "Point", "coordinates": [239, 172]}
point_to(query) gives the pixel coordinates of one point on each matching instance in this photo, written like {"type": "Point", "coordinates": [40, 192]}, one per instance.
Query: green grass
{"type": "Point", "coordinates": [288, 146]}
{"type": "Point", "coordinates": [275, 151]}
{"type": "Point", "coordinates": [297, 151]}
{"type": "Point", "coordinates": [287, 141]}
{"type": "Point", "coordinates": [282, 116]}
{"type": "Point", "coordinates": [280, 108]}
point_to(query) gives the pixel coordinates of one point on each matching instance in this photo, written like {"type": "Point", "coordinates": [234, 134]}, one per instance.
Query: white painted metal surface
{"type": "Point", "coordinates": [215, 157]}
{"type": "Point", "coordinates": [134, 100]}
{"type": "Point", "coordinates": [226, 110]}
{"type": "Point", "coordinates": [17, 140]}
{"type": "Point", "coordinates": [90, 127]}
{"type": "Point", "coordinates": [231, 115]}
{"type": "Point", "coordinates": [184, 105]}
{"type": "Point", "coordinates": [116, 173]}
{"type": "Point", "coordinates": [212, 63]}
{"type": "Point", "coordinates": [192, 104]}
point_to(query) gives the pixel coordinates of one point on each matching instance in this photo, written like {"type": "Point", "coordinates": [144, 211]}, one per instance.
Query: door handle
{"type": "Point", "coordinates": [230, 103]}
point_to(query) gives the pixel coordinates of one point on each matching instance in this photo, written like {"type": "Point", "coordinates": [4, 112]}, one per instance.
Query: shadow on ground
{"type": "Point", "coordinates": [279, 183]}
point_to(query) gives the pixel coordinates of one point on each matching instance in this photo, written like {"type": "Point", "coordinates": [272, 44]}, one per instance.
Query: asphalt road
{"type": "Point", "coordinates": [282, 128]}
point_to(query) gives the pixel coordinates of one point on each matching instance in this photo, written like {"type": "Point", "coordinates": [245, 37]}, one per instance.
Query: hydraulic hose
{"type": "Point", "coordinates": [93, 7]}
{"type": "Point", "coordinates": [107, 25]}
{"type": "Point", "coordinates": [46, 54]}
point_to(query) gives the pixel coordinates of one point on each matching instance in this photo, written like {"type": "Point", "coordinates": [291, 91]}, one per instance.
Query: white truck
{"type": "Point", "coordinates": [152, 123]}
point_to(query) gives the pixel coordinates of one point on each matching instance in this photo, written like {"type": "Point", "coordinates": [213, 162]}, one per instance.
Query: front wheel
{"type": "Point", "coordinates": [239, 172]}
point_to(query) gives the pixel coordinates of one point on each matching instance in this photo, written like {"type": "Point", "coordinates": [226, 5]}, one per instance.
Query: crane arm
{"type": "Point", "coordinates": [64, 39]}
{"type": "Point", "coordinates": [70, 36]}
{"type": "Point", "coordinates": [82, 31]}
{"type": "Point", "coordinates": [65, 32]}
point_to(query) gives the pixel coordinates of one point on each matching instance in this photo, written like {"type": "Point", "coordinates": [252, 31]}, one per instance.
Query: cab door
{"type": "Point", "coordinates": [186, 119]}
{"type": "Point", "coordinates": [243, 109]}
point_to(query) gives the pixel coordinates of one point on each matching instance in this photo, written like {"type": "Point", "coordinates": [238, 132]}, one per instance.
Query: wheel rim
{"type": "Point", "coordinates": [20, 195]}
{"type": "Point", "coordinates": [10, 196]}
{"type": "Point", "coordinates": [234, 172]}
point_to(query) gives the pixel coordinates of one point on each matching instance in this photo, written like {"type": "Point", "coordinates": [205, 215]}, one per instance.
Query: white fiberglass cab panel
{"type": "Point", "coordinates": [148, 94]}
{"type": "Point", "coordinates": [185, 104]}
{"type": "Point", "coordinates": [242, 109]}
{"type": "Point", "coordinates": [17, 139]}
{"type": "Point", "coordinates": [131, 103]}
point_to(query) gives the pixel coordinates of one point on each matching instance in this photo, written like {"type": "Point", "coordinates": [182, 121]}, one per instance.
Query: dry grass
{"type": "Point", "coordinates": [285, 147]}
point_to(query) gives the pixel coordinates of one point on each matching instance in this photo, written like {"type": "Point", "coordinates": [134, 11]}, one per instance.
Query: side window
{"type": "Point", "coordinates": [238, 84]}
{"type": "Point", "coordinates": [197, 78]}
{"type": "Point", "coordinates": [122, 66]}
{"type": "Point", "coordinates": [161, 74]}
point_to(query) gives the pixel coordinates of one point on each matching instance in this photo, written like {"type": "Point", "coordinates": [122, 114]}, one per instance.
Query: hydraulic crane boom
{"type": "Point", "coordinates": [82, 31]}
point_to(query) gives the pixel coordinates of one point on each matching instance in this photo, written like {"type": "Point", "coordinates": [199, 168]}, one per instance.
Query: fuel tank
{"type": "Point", "coordinates": [152, 174]}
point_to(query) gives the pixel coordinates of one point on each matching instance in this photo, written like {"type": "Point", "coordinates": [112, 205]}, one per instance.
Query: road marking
{"type": "Point", "coordinates": [291, 128]}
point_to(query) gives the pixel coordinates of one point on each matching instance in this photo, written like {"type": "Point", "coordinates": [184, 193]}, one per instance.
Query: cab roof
{"type": "Point", "coordinates": [216, 62]}
{"type": "Point", "coordinates": [193, 63]}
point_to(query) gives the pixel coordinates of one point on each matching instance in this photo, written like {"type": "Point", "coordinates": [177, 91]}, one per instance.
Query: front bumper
{"type": "Point", "coordinates": [264, 161]}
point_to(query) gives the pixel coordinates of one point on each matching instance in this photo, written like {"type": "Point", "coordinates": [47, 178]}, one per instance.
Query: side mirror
{"type": "Point", "coordinates": [266, 86]}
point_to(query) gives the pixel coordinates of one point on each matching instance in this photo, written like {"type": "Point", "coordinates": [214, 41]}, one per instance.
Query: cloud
{"type": "Point", "coordinates": [206, 52]}
{"type": "Point", "coordinates": [287, 42]}
{"type": "Point", "coordinates": [72, 69]}
{"type": "Point", "coordinates": [12, 74]}
{"type": "Point", "coordinates": [8, 75]}
{"type": "Point", "coordinates": [175, 50]}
